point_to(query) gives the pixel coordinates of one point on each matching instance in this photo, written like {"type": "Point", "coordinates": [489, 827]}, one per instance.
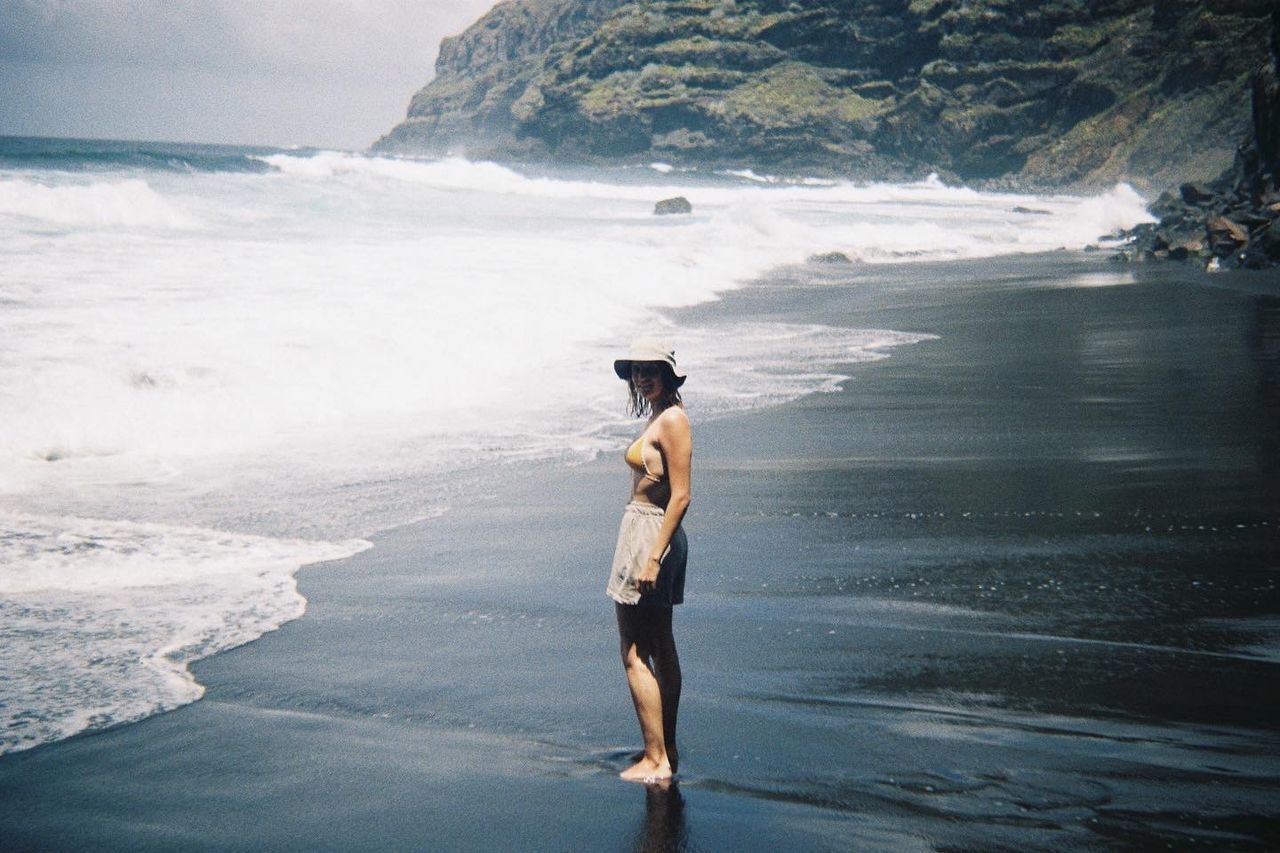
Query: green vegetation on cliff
{"type": "Point", "coordinates": [1063, 91]}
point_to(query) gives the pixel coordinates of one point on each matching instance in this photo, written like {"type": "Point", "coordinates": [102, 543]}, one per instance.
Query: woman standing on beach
{"type": "Point", "coordinates": [647, 578]}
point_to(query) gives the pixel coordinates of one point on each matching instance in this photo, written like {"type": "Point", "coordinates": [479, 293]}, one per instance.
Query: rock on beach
{"type": "Point", "coordinates": [669, 206]}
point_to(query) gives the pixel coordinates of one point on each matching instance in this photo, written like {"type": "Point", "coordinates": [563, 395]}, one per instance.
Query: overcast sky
{"type": "Point", "coordinates": [329, 73]}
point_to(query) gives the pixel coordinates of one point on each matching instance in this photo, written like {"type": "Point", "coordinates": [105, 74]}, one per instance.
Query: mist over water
{"type": "Point", "coordinates": [219, 364]}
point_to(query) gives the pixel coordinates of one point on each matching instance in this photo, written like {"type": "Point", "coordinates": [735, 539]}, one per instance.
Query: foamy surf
{"type": "Point", "coordinates": [950, 221]}
{"type": "Point", "coordinates": [101, 618]}
{"type": "Point", "coordinates": [129, 203]}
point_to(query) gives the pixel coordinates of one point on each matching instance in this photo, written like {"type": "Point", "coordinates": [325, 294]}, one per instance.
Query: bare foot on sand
{"type": "Point", "coordinates": [648, 772]}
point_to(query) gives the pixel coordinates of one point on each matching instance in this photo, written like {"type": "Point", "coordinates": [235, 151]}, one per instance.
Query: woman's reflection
{"type": "Point", "coordinates": [664, 827]}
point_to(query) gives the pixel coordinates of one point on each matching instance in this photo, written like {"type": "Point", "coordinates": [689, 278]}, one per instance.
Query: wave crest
{"type": "Point", "coordinates": [129, 203]}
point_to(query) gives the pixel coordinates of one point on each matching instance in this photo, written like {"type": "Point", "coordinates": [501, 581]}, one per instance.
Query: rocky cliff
{"type": "Point", "coordinates": [1055, 92]}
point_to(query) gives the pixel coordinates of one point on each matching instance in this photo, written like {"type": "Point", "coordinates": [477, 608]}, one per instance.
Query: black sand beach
{"type": "Point", "coordinates": [1013, 588]}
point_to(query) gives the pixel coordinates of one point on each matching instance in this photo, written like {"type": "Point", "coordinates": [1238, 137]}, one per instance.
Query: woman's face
{"type": "Point", "coordinates": [647, 377]}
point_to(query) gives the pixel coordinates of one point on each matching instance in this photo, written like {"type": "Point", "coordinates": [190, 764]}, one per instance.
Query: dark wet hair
{"type": "Point", "coordinates": [639, 405]}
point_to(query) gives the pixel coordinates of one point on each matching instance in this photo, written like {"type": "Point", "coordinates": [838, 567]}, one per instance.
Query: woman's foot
{"type": "Point", "coordinates": [648, 771]}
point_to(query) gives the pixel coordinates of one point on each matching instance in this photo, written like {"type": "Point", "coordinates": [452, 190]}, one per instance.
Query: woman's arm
{"type": "Point", "coordinates": [674, 438]}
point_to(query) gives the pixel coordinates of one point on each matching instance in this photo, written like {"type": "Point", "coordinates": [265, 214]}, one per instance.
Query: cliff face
{"type": "Point", "coordinates": [468, 107]}
{"type": "Point", "coordinates": [1062, 91]}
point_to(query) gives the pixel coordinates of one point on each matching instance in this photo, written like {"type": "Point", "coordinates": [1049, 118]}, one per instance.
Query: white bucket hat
{"type": "Point", "coordinates": [648, 349]}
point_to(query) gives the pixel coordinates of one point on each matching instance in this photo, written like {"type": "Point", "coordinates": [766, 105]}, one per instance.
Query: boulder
{"type": "Point", "coordinates": [1196, 193]}
{"type": "Point", "coordinates": [1193, 245]}
{"type": "Point", "coordinates": [1168, 206]}
{"type": "Point", "coordinates": [1221, 229]}
{"type": "Point", "coordinates": [1269, 240]}
{"type": "Point", "coordinates": [830, 258]}
{"type": "Point", "coordinates": [668, 206]}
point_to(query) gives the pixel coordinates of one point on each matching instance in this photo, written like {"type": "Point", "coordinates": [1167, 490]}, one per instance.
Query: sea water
{"type": "Point", "coordinates": [218, 364]}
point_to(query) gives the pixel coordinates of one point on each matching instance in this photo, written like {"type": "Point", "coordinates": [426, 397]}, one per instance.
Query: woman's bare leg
{"type": "Point", "coordinates": [635, 631]}
{"type": "Point", "coordinates": [666, 669]}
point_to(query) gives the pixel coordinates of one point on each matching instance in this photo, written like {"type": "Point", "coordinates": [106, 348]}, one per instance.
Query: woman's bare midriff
{"type": "Point", "coordinates": [646, 491]}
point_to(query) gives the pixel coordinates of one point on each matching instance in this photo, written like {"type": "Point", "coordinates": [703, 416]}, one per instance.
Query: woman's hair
{"type": "Point", "coordinates": [639, 406]}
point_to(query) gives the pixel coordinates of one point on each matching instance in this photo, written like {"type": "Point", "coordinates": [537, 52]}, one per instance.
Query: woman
{"type": "Point", "coordinates": [647, 579]}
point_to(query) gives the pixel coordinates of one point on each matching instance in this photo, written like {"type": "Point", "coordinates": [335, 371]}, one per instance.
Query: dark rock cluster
{"type": "Point", "coordinates": [1234, 221]}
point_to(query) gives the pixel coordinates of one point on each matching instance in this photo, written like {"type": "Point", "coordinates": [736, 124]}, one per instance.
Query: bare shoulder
{"type": "Point", "coordinates": [674, 423]}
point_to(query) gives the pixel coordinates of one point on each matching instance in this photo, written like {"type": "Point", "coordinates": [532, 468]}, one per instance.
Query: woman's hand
{"type": "Point", "coordinates": [647, 579]}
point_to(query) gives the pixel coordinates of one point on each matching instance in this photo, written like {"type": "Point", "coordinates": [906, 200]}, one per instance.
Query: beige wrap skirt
{"type": "Point", "coordinates": [641, 523]}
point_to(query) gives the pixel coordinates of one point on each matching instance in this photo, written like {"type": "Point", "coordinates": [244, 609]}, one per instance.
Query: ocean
{"type": "Point", "coordinates": [219, 364]}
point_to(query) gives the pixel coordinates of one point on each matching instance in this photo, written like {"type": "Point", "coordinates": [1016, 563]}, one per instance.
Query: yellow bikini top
{"type": "Point", "coordinates": [635, 458]}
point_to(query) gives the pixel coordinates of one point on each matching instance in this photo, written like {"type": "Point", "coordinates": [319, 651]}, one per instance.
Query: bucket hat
{"type": "Point", "coordinates": [648, 349]}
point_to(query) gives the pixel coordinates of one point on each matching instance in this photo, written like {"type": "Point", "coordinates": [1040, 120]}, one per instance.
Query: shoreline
{"type": "Point", "coordinates": [456, 685]}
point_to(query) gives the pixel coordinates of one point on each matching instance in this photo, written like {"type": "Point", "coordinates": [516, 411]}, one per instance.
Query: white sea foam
{"type": "Point", "coordinates": [750, 365]}
{"type": "Point", "coordinates": [750, 175]}
{"type": "Point", "coordinates": [309, 355]}
{"type": "Point", "coordinates": [101, 618]}
{"type": "Point", "coordinates": [129, 203]}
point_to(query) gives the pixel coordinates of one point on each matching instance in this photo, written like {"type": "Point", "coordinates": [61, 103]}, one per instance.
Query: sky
{"type": "Point", "coordinates": [324, 73]}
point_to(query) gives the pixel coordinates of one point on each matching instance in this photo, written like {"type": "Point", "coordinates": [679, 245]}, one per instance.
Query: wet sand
{"type": "Point", "coordinates": [1013, 588]}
